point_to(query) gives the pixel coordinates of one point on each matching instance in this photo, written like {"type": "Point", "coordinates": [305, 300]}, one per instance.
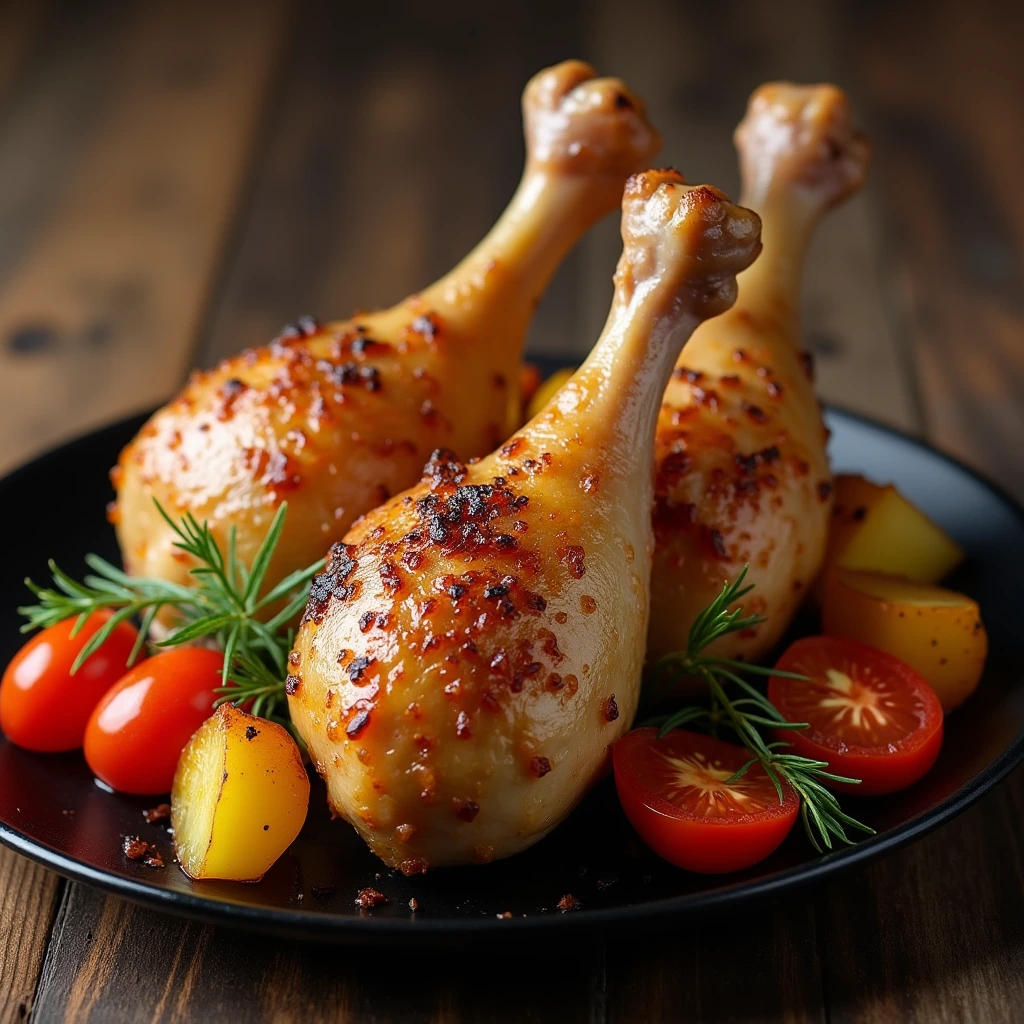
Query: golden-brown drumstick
{"type": "Point", "coordinates": [335, 418]}
{"type": "Point", "coordinates": [475, 646]}
{"type": "Point", "coordinates": [742, 474]}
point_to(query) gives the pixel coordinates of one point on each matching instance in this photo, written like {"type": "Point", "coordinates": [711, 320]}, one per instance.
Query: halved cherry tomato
{"type": "Point", "coordinates": [43, 706]}
{"type": "Point", "coordinates": [676, 794]}
{"type": "Point", "coordinates": [139, 729]}
{"type": "Point", "coordinates": [871, 716]}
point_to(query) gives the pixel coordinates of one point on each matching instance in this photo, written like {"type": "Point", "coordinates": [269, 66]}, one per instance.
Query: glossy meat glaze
{"type": "Point", "coordinates": [475, 645]}
{"type": "Point", "coordinates": [742, 475]}
{"type": "Point", "coordinates": [335, 418]}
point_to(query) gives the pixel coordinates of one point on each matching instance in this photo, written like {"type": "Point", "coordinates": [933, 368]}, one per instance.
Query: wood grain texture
{"type": "Point", "coordinates": [762, 965]}
{"type": "Point", "coordinates": [698, 71]}
{"type": "Point", "coordinates": [374, 185]}
{"type": "Point", "coordinates": [936, 932]}
{"type": "Point", "coordinates": [20, 26]}
{"type": "Point", "coordinates": [112, 961]}
{"type": "Point", "coordinates": [103, 291]}
{"type": "Point", "coordinates": [28, 901]}
{"type": "Point", "coordinates": [946, 115]}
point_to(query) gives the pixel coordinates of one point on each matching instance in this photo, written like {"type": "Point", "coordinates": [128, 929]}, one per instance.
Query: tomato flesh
{"type": "Point", "coordinates": [871, 716]}
{"type": "Point", "coordinates": [139, 729]}
{"type": "Point", "coordinates": [676, 793]}
{"type": "Point", "coordinates": [43, 707]}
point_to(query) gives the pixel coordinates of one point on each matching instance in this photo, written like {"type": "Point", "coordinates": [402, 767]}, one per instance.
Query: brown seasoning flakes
{"type": "Point", "coordinates": [368, 898]}
{"type": "Point", "coordinates": [138, 850]}
{"type": "Point", "coordinates": [611, 709]}
{"type": "Point", "coordinates": [413, 866]}
{"type": "Point", "coordinates": [154, 815]}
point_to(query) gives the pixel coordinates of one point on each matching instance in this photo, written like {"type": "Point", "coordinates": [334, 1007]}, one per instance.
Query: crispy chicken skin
{"type": "Point", "coordinates": [335, 418]}
{"type": "Point", "coordinates": [741, 474]}
{"type": "Point", "coordinates": [475, 645]}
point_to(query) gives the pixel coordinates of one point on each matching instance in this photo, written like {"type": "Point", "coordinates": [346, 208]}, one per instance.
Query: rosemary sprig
{"type": "Point", "coordinates": [223, 605]}
{"type": "Point", "coordinates": [748, 714]}
{"type": "Point", "coordinates": [256, 684]}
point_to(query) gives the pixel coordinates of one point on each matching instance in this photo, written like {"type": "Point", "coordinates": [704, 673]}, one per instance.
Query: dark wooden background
{"type": "Point", "coordinates": [177, 179]}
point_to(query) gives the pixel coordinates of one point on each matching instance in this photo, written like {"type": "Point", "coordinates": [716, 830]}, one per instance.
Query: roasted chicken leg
{"type": "Point", "coordinates": [335, 418]}
{"type": "Point", "coordinates": [741, 470]}
{"type": "Point", "coordinates": [475, 645]}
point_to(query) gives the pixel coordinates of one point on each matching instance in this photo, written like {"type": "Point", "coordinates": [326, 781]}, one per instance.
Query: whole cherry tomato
{"type": "Point", "coordinates": [43, 706]}
{"type": "Point", "coordinates": [678, 793]}
{"type": "Point", "coordinates": [139, 729]}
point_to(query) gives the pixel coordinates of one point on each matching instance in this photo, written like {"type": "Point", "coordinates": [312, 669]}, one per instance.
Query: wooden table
{"type": "Point", "coordinates": [177, 179]}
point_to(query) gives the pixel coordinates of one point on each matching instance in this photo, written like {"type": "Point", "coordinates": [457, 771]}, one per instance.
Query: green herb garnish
{"type": "Point", "coordinates": [223, 604]}
{"type": "Point", "coordinates": [748, 714]}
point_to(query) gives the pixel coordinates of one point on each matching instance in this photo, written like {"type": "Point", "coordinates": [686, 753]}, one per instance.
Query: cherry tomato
{"type": "Point", "coordinates": [43, 706]}
{"type": "Point", "coordinates": [141, 726]}
{"type": "Point", "coordinates": [871, 716]}
{"type": "Point", "coordinates": [676, 794]}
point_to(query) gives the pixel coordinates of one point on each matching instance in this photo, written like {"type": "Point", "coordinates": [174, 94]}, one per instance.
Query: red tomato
{"type": "Point", "coordinates": [676, 794]}
{"type": "Point", "coordinates": [871, 716]}
{"type": "Point", "coordinates": [138, 730]}
{"type": "Point", "coordinates": [42, 705]}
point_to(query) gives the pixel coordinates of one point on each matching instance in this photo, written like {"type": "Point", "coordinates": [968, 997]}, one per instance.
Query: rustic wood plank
{"type": "Point", "coordinates": [376, 184]}
{"type": "Point", "coordinates": [935, 932]}
{"type": "Point", "coordinates": [28, 902]}
{"type": "Point", "coordinates": [698, 71]}
{"type": "Point", "coordinates": [101, 297]}
{"type": "Point", "coordinates": [20, 26]}
{"type": "Point", "coordinates": [946, 112]}
{"type": "Point", "coordinates": [761, 965]}
{"type": "Point", "coordinates": [111, 960]}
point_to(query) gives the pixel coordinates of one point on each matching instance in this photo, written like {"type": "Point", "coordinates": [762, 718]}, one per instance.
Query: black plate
{"type": "Point", "coordinates": [52, 811]}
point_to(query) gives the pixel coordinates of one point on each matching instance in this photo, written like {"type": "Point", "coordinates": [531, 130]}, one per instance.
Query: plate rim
{"type": "Point", "coordinates": [323, 925]}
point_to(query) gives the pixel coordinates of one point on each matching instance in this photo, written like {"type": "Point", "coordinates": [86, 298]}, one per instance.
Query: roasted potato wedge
{"type": "Point", "coordinates": [874, 528]}
{"type": "Point", "coordinates": [240, 797]}
{"type": "Point", "coordinates": [936, 631]}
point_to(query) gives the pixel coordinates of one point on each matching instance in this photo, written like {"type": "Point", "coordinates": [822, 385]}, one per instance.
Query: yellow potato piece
{"type": "Point", "coordinates": [936, 631]}
{"type": "Point", "coordinates": [875, 528]}
{"type": "Point", "coordinates": [548, 390]}
{"type": "Point", "coordinates": [239, 798]}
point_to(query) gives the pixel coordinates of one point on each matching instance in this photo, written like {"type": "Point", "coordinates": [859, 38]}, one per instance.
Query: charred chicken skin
{"type": "Point", "coordinates": [742, 474]}
{"type": "Point", "coordinates": [334, 418]}
{"type": "Point", "coordinates": [475, 646]}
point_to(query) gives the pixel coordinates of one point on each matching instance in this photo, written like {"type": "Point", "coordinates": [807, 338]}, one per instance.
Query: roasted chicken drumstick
{"type": "Point", "coordinates": [336, 418]}
{"type": "Point", "coordinates": [475, 645]}
{"type": "Point", "coordinates": [742, 475]}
